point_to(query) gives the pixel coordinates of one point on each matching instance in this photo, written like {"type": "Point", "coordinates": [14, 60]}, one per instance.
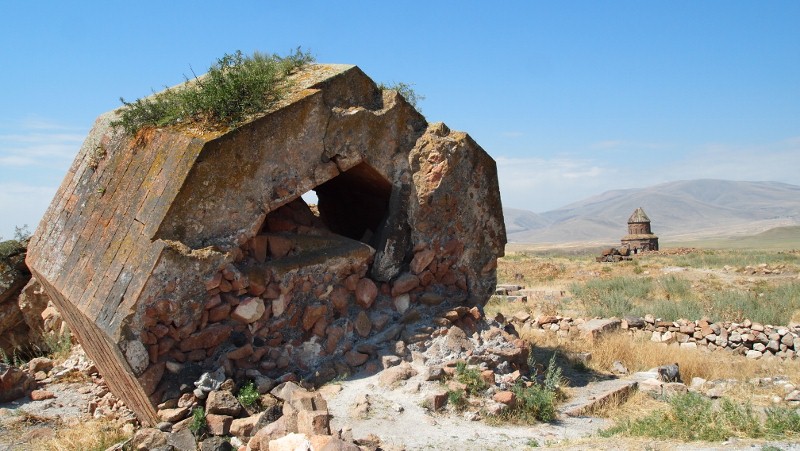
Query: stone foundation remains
{"type": "Point", "coordinates": [180, 251]}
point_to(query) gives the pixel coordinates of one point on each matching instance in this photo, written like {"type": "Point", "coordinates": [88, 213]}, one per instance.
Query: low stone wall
{"type": "Point", "coordinates": [748, 338]}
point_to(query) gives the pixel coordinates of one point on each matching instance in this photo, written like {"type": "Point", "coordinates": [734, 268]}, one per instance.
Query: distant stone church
{"type": "Point", "coordinates": [640, 237]}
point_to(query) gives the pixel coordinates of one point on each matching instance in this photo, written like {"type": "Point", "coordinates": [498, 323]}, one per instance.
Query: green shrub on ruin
{"type": "Point", "coordinates": [198, 424]}
{"type": "Point", "coordinates": [235, 88]}
{"type": "Point", "coordinates": [404, 89]}
{"type": "Point", "coordinates": [248, 395]}
{"type": "Point", "coordinates": [457, 399]}
{"type": "Point", "coordinates": [471, 377]}
{"type": "Point", "coordinates": [538, 401]}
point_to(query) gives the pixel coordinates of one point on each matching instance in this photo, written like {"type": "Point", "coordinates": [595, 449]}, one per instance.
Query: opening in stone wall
{"type": "Point", "coordinates": [355, 203]}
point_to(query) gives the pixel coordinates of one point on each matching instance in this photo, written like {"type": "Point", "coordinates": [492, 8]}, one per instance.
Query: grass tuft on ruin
{"type": "Point", "coordinates": [248, 395]}
{"type": "Point", "coordinates": [236, 87]}
{"type": "Point", "coordinates": [404, 89]}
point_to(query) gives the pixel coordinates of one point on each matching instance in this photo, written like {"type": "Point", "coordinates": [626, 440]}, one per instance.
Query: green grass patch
{"type": "Point", "coordinates": [536, 402]}
{"type": "Point", "coordinates": [673, 310]}
{"type": "Point", "coordinates": [471, 377]}
{"type": "Point", "coordinates": [672, 298]}
{"type": "Point", "coordinates": [691, 416]}
{"type": "Point", "coordinates": [198, 424]}
{"type": "Point", "coordinates": [770, 305]}
{"type": "Point", "coordinates": [778, 238]}
{"type": "Point", "coordinates": [616, 296]}
{"type": "Point", "coordinates": [782, 421]}
{"type": "Point", "coordinates": [457, 399]}
{"type": "Point", "coordinates": [235, 88]}
{"type": "Point", "coordinates": [715, 259]}
{"type": "Point", "coordinates": [248, 395]}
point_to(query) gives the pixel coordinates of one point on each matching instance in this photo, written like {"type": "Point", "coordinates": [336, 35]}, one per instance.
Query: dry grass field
{"type": "Point", "coordinates": [690, 283]}
{"type": "Point", "coordinates": [719, 284]}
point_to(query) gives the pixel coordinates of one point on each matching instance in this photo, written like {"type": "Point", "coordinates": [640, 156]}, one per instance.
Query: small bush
{"type": "Point", "coordinates": [58, 346]}
{"type": "Point", "coordinates": [22, 234]}
{"type": "Point", "coordinates": [471, 377]}
{"type": "Point", "coordinates": [457, 399]}
{"type": "Point", "coordinates": [198, 424]}
{"type": "Point", "coordinates": [534, 403]}
{"type": "Point", "coordinates": [405, 90]}
{"type": "Point", "coordinates": [234, 88]}
{"type": "Point", "coordinates": [248, 395]}
{"type": "Point", "coordinates": [537, 402]}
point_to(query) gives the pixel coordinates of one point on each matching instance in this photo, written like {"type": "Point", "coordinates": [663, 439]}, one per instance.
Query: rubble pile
{"type": "Point", "coordinates": [287, 411]}
{"type": "Point", "coordinates": [285, 416]}
{"type": "Point", "coordinates": [615, 254]}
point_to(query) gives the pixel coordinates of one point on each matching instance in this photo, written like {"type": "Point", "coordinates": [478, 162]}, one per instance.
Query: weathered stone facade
{"type": "Point", "coordinates": [640, 237]}
{"type": "Point", "coordinates": [179, 250]}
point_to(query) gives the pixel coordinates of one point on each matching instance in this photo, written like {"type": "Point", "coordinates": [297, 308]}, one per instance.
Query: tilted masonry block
{"type": "Point", "coordinates": [177, 250]}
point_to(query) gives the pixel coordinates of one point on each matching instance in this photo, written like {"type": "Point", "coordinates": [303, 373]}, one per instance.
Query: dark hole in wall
{"type": "Point", "coordinates": [354, 203]}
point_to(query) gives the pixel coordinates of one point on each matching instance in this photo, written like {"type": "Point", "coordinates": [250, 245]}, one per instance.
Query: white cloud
{"type": "Point", "coordinates": [541, 184]}
{"type": "Point", "coordinates": [34, 156]}
{"type": "Point", "coordinates": [22, 204]}
{"type": "Point", "coordinates": [38, 147]}
{"type": "Point", "coordinates": [777, 161]}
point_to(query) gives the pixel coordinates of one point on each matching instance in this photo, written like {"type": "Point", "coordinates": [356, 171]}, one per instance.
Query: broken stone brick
{"type": "Point", "coordinates": [404, 284]}
{"type": "Point", "coordinates": [363, 325]}
{"type": "Point", "coordinates": [366, 291]}
{"type": "Point", "coordinates": [312, 314]}
{"type": "Point", "coordinates": [355, 359]}
{"type": "Point", "coordinates": [421, 260]}
{"type": "Point", "coordinates": [249, 311]}
{"type": "Point", "coordinates": [207, 338]}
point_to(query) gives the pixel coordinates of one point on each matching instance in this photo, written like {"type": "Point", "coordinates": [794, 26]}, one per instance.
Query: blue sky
{"type": "Point", "coordinates": [571, 98]}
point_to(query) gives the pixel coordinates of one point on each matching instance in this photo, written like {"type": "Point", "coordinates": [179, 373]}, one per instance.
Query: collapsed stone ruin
{"type": "Point", "coordinates": [179, 251]}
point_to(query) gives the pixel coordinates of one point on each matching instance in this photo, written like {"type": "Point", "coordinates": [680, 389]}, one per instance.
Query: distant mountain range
{"type": "Point", "coordinates": [682, 210]}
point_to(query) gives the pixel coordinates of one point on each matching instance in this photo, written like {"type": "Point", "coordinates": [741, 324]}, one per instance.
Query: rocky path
{"type": "Point", "coordinates": [397, 416]}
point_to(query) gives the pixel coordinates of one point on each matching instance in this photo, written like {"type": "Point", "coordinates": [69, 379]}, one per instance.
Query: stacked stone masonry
{"type": "Point", "coordinates": [178, 251]}
{"type": "Point", "coordinates": [751, 339]}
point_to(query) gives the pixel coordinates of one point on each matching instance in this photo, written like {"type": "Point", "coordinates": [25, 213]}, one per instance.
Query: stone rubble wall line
{"type": "Point", "coordinates": [751, 339]}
